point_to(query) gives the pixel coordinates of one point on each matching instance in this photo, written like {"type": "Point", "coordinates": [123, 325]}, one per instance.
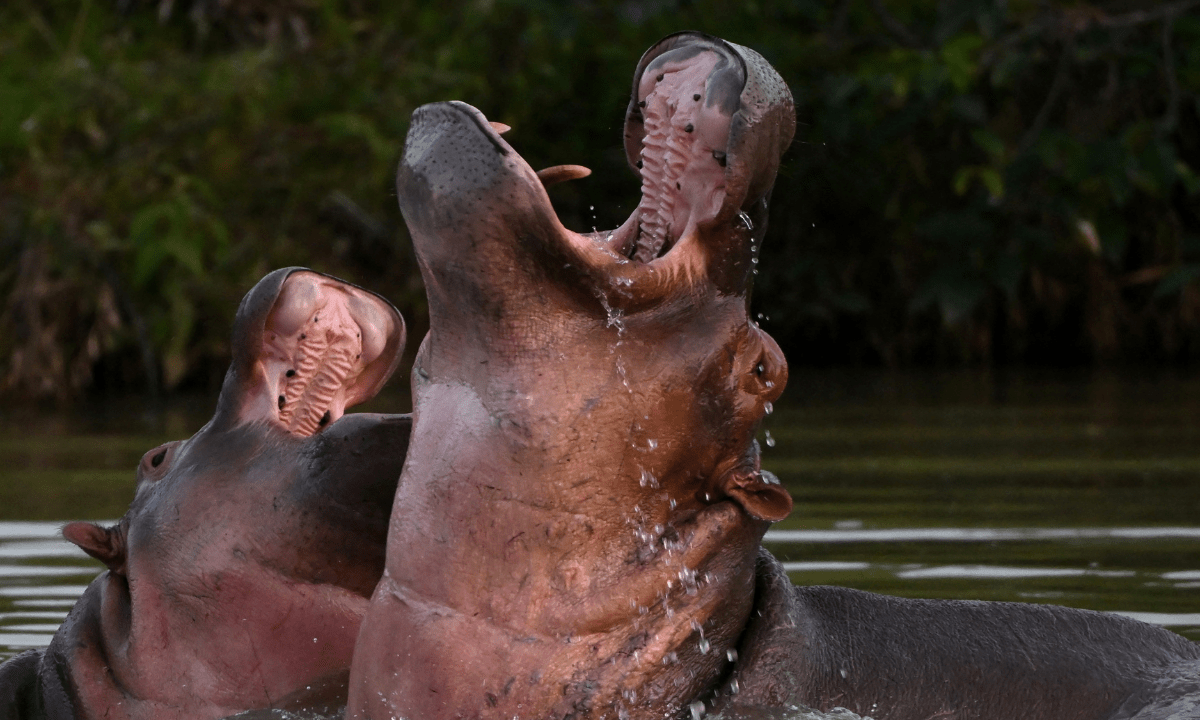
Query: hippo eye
{"type": "Point", "coordinates": [158, 458]}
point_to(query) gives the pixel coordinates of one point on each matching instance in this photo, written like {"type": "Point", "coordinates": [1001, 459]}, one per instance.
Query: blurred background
{"type": "Point", "coordinates": [974, 183]}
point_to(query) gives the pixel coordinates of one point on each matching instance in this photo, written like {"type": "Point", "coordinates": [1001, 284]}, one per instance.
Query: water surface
{"type": "Point", "coordinates": [1074, 490]}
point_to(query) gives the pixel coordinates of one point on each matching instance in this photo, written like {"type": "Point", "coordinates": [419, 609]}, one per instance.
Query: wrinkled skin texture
{"type": "Point", "coordinates": [577, 530]}
{"type": "Point", "coordinates": [240, 574]}
{"type": "Point", "coordinates": [576, 526]}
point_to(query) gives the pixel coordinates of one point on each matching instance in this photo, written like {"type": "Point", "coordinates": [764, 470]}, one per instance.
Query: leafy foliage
{"type": "Point", "coordinates": [972, 181]}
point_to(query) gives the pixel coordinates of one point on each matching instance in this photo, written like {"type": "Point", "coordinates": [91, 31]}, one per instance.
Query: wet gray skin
{"type": "Point", "coordinates": [240, 574]}
{"type": "Point", "coordinates": [577, 529]}
{"type": "Point", "coordinates": [583, 500]}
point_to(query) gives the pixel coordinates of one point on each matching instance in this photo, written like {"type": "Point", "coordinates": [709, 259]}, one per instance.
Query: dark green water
{"type": "Point", "coordinates": [1076, 490]}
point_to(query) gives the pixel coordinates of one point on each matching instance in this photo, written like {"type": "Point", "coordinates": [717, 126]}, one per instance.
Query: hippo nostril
{"type": "Point", "coordinates": [158, 458]}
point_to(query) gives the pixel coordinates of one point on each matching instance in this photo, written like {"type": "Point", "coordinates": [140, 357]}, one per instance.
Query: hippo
{"type": "Point", "coordinates": [577, 530]}
{"type": "Point", "coordinates": [239, 575]}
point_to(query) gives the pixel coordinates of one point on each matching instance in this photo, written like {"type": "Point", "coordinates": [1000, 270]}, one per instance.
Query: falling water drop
{"type": "Point", "coordinates": [770, 440]}
{"type": "Point", "coordinates": [731, 655]}
{"type": "Point", "coordinates": [704, 645]}
{"type": "Point", "coordinates": [697, 709]}
{"type": "Point", "coordinates": [768, 408]}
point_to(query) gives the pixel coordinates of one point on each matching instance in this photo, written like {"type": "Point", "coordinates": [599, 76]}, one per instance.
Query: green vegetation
{"type": "Point", "coordinates": [973, 181]}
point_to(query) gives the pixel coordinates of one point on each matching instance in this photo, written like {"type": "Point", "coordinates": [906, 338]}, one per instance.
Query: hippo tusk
{"type": "Point", "coordinates": [562, 173]}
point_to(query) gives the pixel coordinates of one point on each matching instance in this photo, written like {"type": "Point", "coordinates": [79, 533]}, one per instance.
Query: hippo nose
{"type": "Point", "coordinates": [451, 149]}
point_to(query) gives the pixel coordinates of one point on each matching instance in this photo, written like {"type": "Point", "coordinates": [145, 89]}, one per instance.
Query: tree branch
{"type": "Point", "coordinates": [894, 26]}
{"type": "Point", "coordinates": [1144, 16]}
{"type": "Point", "coordinates": [1056, 88]}
{"type": "Point", "coordinates": [1171, 117]}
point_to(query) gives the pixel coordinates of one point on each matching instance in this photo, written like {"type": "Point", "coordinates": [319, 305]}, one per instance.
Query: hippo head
{"type": "Point", "coordinates": [583, 461]}
{"type": "Point", "coordinates": [641, 335]}
{"type": "Point", "coordinates": [243, 566]}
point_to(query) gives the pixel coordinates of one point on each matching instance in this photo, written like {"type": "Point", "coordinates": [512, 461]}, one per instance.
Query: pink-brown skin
{"type": "Point", "coordinates": [576, 526]}
{"type": "Point", "coordinates": [242, 570]}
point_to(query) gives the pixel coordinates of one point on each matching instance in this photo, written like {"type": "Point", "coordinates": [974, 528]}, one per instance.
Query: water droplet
{"type": "Point", "coordinates": [672, 503]}
{"type": "Point", "coordinates": [734, 688]}
{"type": "Point", "coordinates": [697, 709]}
{"type": "Point", "coordinates": [731, 655]}
{"type": "Point", "coordinates": [768, 408]}
{"type": "Point", "coordinates": [704, 645]}
{"type": "Point", "coordinates": [652, 443]}
{"type": "Point", "coordinates": [746, 220]}
{"type": "Point", "coordinates": [770, 440]}
{"type": "Point", "coordinates": [314, 639]}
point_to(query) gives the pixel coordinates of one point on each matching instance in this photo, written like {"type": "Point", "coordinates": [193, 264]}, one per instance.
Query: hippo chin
{"type": "Point", "coordinates": [577, 529]}
{"type": "Point", "coordinates": [240, 574]}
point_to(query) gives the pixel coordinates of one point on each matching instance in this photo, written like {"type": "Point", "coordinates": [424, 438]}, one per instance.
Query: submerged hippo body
{"type": "Point", "coordinates": [240, 574]}
{"type": "Point", "coordinates": [577, 529]}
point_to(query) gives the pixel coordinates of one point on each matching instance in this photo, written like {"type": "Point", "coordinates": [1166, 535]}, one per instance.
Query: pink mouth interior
{"type": "Point", "coordinates": [683, 154]}
{"type": "Point", "coordinates": [316, 346]}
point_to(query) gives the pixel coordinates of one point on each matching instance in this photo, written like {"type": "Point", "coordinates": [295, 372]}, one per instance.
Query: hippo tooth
{"type": "Point", "coordinates": [326, 357]}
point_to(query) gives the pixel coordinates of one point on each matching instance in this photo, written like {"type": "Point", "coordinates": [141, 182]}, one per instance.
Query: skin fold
{"type": "Point", "coordinates": [240, 574]}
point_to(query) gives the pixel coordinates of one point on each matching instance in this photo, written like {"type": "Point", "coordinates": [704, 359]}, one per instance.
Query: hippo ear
{"type": "Point", "coordinates": [306, 346]}
{"type": "Point", "coordinates": [104, 544]}
{"type": "Point", "coordinates": [761, 495]}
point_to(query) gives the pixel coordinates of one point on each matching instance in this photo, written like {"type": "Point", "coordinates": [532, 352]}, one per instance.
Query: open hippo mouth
{"type": "Point", "coordinates": [705, 128]}
{"type": "Point", "coordinates": [585, 405]}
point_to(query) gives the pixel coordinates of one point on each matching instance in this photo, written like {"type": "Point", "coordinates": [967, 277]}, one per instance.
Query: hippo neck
{"type": "Point", "coordinates": [141, 648]}
{"type": "Point", "coordinates": [485, 554]}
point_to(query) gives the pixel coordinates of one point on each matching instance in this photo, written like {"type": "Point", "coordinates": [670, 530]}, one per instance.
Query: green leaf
{"type": "Point", "coordinates": [989, 142]}
{"type": "Point", "coordinates": [993, 182]}
{"type": "Point", "coordinates": [962, 180]}
{"type": "Point", "coordinates": [958, 54]}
